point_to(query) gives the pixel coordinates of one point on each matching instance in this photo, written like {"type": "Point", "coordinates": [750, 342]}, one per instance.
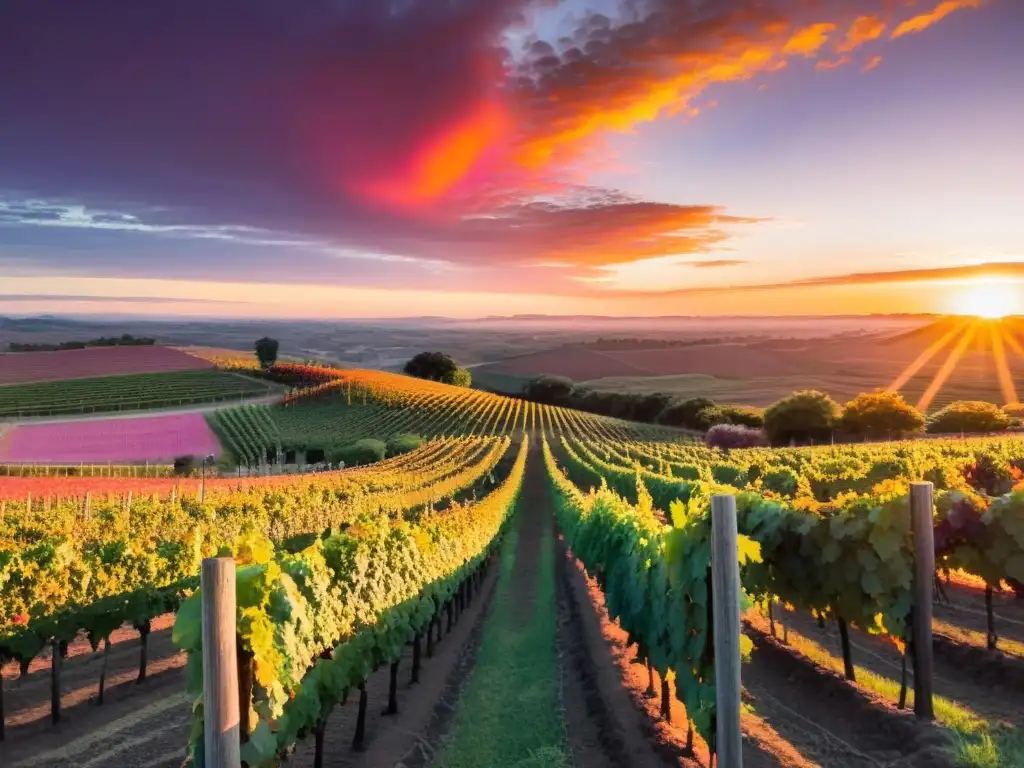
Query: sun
{"type": "Point", "coordinates": [990, 299]}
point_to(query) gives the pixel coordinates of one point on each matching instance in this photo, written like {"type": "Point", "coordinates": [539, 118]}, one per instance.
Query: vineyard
{"type": "Point", "coordinates": [125, 393]}
{"type": "Point", "coordinates": [604, 532]}
{"type": "Point", "coordinates": [330, 407]}
{"type": "Point", "coordinates": [94, 362]}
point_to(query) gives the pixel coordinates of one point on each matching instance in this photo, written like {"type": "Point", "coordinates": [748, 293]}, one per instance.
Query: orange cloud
{"type": "Point", "coordinates": [925, 20]}
{"type": "Point", "coordinates": [1004, 270]}
{"type": "Point", "coordinates": [863, 30]}
{"type": "Point", "coordinates": [809, 40]}
{"type": "Point", "coordinates": [873, 62]}
{"type": "Point", "coordinates": [446, 160]}
{"type": "Point", "coordinates": [842, 61]}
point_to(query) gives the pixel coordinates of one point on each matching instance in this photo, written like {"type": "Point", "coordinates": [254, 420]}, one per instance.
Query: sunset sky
{"type": "Point", "coordinates": [332, 158]}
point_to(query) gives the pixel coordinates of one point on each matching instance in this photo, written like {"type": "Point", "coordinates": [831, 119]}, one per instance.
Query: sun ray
{"type": "Point", "coordinates": [1012, 342]}
{"type": "Point", "coordinates": [1002, 367]}
{"type": "Point", "coordinates": [911, 370]}
{"type": "Point", "coordinates": [947, 368]}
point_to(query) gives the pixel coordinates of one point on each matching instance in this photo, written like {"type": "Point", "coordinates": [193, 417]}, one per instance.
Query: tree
{"type": "Point", "coordinates": [647, 408]}
{"type": "Point", "coordinates": [266, 351]}
{"type": "Point", "coordinates": [437, 366]}
{"type": "Point", "coordinates": [804, 416]}
{"type": "Point", "coordinates": [881, 415]}
{"type": "Point", "coordinates": [553, 390]}
{"type": "Point", "coordinates": [971, 416]}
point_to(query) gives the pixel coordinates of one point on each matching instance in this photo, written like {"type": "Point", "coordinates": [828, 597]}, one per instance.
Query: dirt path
{"type": "Point", "coordinates": [516, 677]}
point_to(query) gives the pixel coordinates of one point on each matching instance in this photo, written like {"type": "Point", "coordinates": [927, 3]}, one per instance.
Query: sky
{"type": "Point", "coordinates": [390, 158]}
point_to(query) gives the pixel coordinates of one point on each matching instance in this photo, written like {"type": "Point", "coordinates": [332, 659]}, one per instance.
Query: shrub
{"type": "Point", "coordinates": [365, 451]}
{"type": "Point", "coordinates": [1016, 413]}
{"type": "Point", "coordinates": [744, 415]}
{"type": "Point", "coordinates": [685, 413]}
{"type": "Point", "coordinates": [881, 415]}
{"type": "Point", "coordinates": [552, 390]}
{"type": "Point", "coordinates": [403, 444]}
{"type": "Point", "coordinates": [969, 416]}
{"type": "Point", "coordinates": [726, 436]}
{"type": "Point", "coordinates": [807, 416]}
{"type": "Point", "coordinates": [648, 407]}
{"type": "Point", "coordinates": [184, 466]}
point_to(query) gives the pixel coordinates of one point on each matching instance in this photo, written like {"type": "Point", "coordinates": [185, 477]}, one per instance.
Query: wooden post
{"type": "Point", "coordinates": [725, 590]}
{"type": "Point", "coordinates": [922, 517]}
{"type": "Point", "coordinates": [220, 664]}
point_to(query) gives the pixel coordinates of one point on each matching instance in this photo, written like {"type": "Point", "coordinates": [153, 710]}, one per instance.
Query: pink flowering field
{"type": "Point", "coordinates": [155, 439]}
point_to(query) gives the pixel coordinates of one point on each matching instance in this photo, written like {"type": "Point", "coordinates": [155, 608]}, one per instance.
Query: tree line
{"type": "Point", "coordinates": [124, 340]}
{"type": "Point", "coordinates": [802, 418]}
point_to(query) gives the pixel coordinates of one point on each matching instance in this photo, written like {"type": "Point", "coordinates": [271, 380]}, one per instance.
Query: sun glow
{"type": "Point", "coordinates": [991, 299]}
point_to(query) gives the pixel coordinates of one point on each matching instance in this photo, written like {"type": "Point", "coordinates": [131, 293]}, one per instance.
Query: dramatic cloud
{"type": "Point", "coordinates": [942, 10]}
{"type": "Point", "coordinates": [994, 270]}
{"type": "Point", "coordinates": [416, 133]}
{"type": "Point", "coordinates": [863, 30]}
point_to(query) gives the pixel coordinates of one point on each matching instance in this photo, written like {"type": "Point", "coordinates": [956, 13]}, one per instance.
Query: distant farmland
{"type": "Point", "coordinates": [154, 439]}
{"type": "Point", "coordinates": [30, 367]}
{"type": "Point", "coordinates": [757, 372]}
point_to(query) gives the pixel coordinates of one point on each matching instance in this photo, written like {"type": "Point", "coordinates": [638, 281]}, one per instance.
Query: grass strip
{"type": "Point", "coordinates": [979, 743]}
{"type": "Point", "coordinates": [510, 714]}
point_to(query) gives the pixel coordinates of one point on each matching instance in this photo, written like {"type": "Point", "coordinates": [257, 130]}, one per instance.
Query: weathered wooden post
{"type": "Point", "coordinates": [220, 665]}
{"type": "Point", "coordinates": [725, 590]}
{"type": "Point", "coordinates": [922, 520]}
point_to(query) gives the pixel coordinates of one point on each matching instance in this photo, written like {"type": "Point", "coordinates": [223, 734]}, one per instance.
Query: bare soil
{"type": "Point", "coordinates": [979, 688]}
{"type": "Point", "coordinates": [138, 724]}
{"type": "Point", "coordinates": [830, 720]}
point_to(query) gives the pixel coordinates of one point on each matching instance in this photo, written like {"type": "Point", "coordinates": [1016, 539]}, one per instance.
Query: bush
{"type": "Point", "coordinates": [365, 451]}
{"type": "Point", "coordinates": [807, 416]}
{"type": "Point", "coordinates": [881, 415]}
{"type": "Point", "coordinates": [685, 413]}
{"type": "Point", "coordinates": [744, 415]}
{"type": "Point", "coordinates": [969, 416]}
{"type": "Point", "coordinates": [647, 407]}
{"type": "Point", "coordinates": [552, 390]}
{"type": "Point", "coordinates": [1016, 413]}
{"type": "Point", "coordinates": [185, 466]}
{"type": "Point", "coordinates": [726, 436]}
{"type": "Point", "coordinates": [403, 444]}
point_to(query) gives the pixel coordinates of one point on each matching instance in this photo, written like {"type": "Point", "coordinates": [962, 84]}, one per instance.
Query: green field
{"type": "Point", "coordinates": [126, 393]}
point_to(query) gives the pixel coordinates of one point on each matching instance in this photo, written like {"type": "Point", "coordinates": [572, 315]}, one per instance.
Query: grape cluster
{"type": "Point", "coordinates": [962, 524]}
